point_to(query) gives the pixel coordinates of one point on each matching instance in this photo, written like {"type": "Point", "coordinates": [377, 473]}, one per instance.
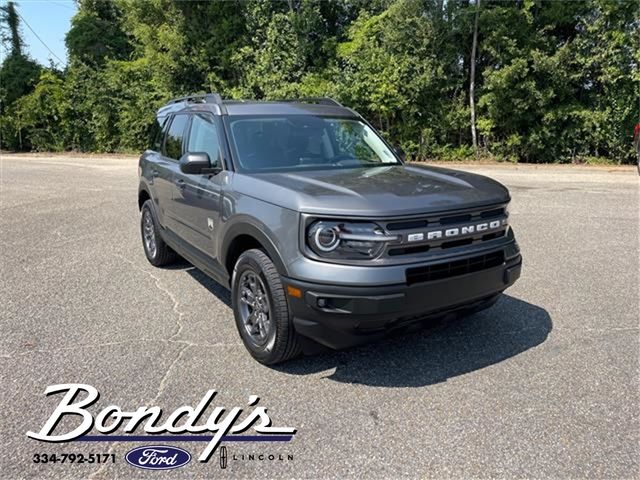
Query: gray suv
{"type": "Point", "coordinates": [322, 232]}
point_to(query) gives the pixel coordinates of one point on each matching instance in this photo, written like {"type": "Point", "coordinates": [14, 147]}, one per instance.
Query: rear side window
{"type": "Point", "coordinates": [175, 137]}
{"type": "Point", "coordinates": [203, 137]}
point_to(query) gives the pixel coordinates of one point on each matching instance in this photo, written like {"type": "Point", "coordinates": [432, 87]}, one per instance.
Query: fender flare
{"type": "Point", "coordinates": [257, 231]}
{"type": "Point", "coordinates": [143, 187]}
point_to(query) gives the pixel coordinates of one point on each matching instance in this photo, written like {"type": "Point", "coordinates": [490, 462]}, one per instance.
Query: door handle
{"type": "Point", "coordinates": [181, 184]}
{"type": "Point", "coordinates": [155, 174]}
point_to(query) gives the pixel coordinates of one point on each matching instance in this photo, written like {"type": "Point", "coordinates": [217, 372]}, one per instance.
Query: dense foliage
{"type": "Point", "coordinates": [555, 81]}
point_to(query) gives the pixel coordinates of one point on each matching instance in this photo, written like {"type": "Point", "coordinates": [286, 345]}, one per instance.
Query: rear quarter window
{"type": "Point", "coordinates": [173, 144]}
{"type": "Point", "coordinates": [156, 133]}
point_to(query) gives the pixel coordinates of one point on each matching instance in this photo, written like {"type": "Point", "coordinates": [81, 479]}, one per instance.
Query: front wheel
{"type": "Point", "coordinates": [261, 311]}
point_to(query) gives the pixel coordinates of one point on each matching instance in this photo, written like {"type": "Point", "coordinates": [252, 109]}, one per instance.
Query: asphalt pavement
{"type": "Point", "coordinates": [543, 385]}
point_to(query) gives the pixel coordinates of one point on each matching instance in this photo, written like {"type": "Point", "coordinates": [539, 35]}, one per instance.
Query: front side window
{"type": "Point", "coordinates": [302, 142]}
{"type": "Point", "coordinates": [203, 137]}
{"type": "Point", "coordinates": [175, 137]}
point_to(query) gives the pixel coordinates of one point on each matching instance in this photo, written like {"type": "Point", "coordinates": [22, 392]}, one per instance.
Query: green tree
{"type": "Point", "coordinates": [558, 80]}
{"type": "Point", "coordinates": [41, 113]}
{"type": "Point", "coordinates": [554, 81]}
{"type": "Point", "coordinates": [96, 33]}
{"type": "Point", "coordinates": [18, 73]}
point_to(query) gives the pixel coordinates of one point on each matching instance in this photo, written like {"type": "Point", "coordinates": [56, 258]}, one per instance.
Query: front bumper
{"type": "Point", "coordinates": [341, 316]}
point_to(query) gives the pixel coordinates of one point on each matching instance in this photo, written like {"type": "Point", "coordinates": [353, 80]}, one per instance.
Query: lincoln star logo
{"type": "Point", "coordinates": [457, 231]}
{"type": "Point", "coordinates": [223, 457]}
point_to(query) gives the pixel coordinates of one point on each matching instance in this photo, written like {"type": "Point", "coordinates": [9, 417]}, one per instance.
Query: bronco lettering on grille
{"type": "Point", "coordinates": [457, 231]}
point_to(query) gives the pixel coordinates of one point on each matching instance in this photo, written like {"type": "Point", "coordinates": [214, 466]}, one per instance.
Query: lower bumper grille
{"type": "Point", "coordinates": [452, 269]}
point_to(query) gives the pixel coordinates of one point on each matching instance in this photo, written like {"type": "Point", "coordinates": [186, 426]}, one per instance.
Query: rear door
{"type": "Point", "coordinates": [154, 168]}
{"type": "Point", "coordinates": [169, 169]}
{"type": "Point", "coordinates": [197, 198]}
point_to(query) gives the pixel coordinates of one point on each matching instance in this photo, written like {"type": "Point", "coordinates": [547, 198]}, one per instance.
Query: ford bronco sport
{"type": "Point", "coordinates": [322, 232]}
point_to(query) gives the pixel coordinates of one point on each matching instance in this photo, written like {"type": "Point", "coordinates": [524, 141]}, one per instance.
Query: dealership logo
{"type": "Point", "coordinates": [158, 457]}
{"type": "Point", "coordinates": [184, 424]}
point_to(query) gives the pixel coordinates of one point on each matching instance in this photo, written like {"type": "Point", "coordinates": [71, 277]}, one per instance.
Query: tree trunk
{"type": "Point", "coordinates": [472, 80]}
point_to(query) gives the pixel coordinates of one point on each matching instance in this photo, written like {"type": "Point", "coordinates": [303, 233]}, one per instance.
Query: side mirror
{"type": "Point", "coordinates": [195, 163]}
{"type": "Point", "coordinates": [400, 152]}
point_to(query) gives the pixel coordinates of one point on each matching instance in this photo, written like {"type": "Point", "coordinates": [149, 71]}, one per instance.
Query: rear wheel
{"type": "Point", "coordinates": [261, 311]}
{"type": "Point", "coordinates": [157, 251]}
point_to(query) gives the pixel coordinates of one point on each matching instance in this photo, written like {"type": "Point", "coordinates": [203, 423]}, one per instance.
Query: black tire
{"type": "Point", "coordinates": [162, 254]}
{"type": "Point", "coordinates": [281, 341]}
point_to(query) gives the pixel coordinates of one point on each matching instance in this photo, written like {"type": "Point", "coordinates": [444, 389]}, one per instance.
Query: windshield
{"type": "Point", "coordinates": [299, 142]}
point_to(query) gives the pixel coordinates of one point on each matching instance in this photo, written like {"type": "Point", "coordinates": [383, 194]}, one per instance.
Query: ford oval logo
{"type": "Point", "coordinates": [158, 457]}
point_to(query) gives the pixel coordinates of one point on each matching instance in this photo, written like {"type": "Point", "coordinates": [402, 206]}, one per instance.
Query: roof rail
{"type": "Point", "coordinates": [318, 100]}
{"type": "Point", "coordinates": [201, 98]}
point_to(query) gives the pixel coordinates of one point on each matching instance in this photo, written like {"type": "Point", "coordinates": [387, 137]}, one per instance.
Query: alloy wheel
{"type": "Point", "coordinates": [255, 309]}
{"type": "Point", "coordinates": [149, 233]}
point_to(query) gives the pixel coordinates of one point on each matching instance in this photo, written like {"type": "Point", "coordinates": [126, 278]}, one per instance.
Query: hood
{"type": "Point", "coordinates": [373, 192]}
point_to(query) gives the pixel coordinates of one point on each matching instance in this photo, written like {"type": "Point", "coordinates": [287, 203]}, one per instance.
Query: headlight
{"type": "Point", "coordinates": [347, 240]}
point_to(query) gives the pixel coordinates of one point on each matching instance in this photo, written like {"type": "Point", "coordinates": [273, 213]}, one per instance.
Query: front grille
{"type": "Point", "coordinates": [408, 250]}
{"type": "Point", "coordinates": [496, 212]}
{"type": "Point", "coordinates": [453, 269]}
{"type": "Point", "coordinates": [445, 219]}
{"type": "Point", "coordinates": [457, 243]}
{"type": "Point", "coordinates": [408, 225]}
{"type": "Point", "coordinates": [422, 225]}
{"type": "Point", "coordinates": [455, 219]}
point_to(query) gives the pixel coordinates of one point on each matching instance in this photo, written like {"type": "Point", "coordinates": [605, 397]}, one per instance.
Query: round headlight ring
{"type": "Point", "coordinates": [326, 239]}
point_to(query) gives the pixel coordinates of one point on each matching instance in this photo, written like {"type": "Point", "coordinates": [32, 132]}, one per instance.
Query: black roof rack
{"type": "Point", "coordinates": [318, 100]}
{"type": "Point", "coordinates": [222, 106]}
{"type": "Point", "coordinates": [199, 98]}
{"type": "Point", "coordinates": [217, 99]}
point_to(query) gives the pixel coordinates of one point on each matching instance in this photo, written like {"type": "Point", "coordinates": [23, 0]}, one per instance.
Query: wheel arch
{"type": "Point", "coordinates": [244, 236]}
{"type": "Point", "coordinates": [143, 196]}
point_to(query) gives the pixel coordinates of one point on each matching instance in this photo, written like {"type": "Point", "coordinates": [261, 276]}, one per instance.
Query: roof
{"type": "Point", "coordinates": [214, 103]}
{"type": "Point", "coordinates": [287, 108]}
